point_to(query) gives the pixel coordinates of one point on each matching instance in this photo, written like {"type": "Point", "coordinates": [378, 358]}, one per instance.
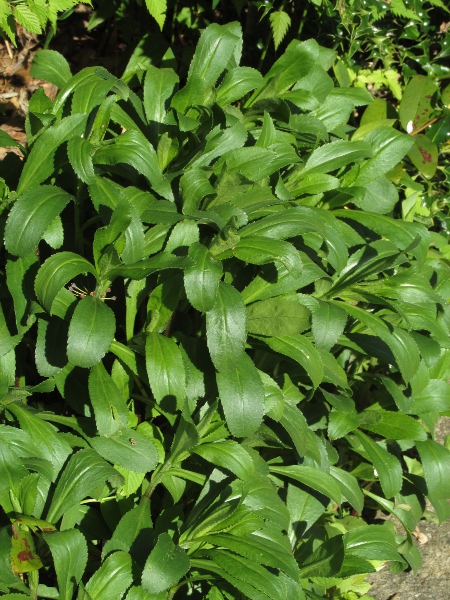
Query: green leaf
{"type": "Point", "coordinates": [350, 488]}
{"type": "Point", "coordinates": [302, 351]}
{"type": "Point", "coordinates": [51, 66]}
{"type": "Point", "coordinates": [51, 445]}
{"type": "Point", "coordinates": [110, 409]}
{"type": "Point", "coordinates": [201, 280]}
{"type": "Point", "coordinates": [229, 455]}
{"type": "Point", "coordinates": [279, 23]}
{"type": "Point", "coordinates": [12, 472]}
{"type": "Point", "coordinates": [226, 328]}
{"type": "Point", "coordinates": [335, 155]}
{"type": "Point", "coordinates": [314, 478]}
{"type": "Point", "coordinates": [435, 397]}
{"type": "Point", "coordinates": [242, 395]}
{"type": "Point", "coordinates": [165, 369]}
{"type": "Point", "coordinates": [389, 147]}
{"type": "Point", "coordinates": [80, 153]}
{"type": "Point", "coordinates": [415, 106]}
{"type": "Point", "coordinates": [30, 216]}
{"type": "Point", "coordinates": [91, 331]}
{"type": "Point", "coordinates": [379, 196]}
{"type": "Point", "coordinates": [56, 272]}
{"type": "Point", "coordinates": [277, 316]}
{"type": "Point", "coordinates": [328, 323]}
{"type": "Point", "coordinates": [258, 548]}
{"type": "Point", "coordinates": [387, 466]}
{"type": "Point", "coordinates": [372, 542]}
{"type": "Point", "coordinates": [436, 465]}
{"type": "Point", "coordinates": [236, 84]}
{"type": "Point", "coordinates": [159, 87]}
{"type": "Point", "coordinates": [325, 561]}
{"type": "Point", "coordinates": [112, 578]}
{"type": "Point", "coordinates": [146, 267]}
{"type": "Point", "coordinates": [39, 165]}
{"type": "Point", "coordinates": [128, 448]}
{"type": "Point", "coordinates": [256, 163]}
{"type": "Point", "coordinates": [70, 554]}
{"type": "Point", "coordinates": [82, 475]}
{"type": "Point", "coordinates": [26, 17]}
{"type": "Point", "coordinates": [165, 566]}
{"type": "Point", "coordinates": [259, 250]}
{"type": "Point", "coordinates": [392, 425]}
{"type": "Point", "coordinates": [248, 576]}
{"type": "Point", "coordinates": [157, 9]}
{"type": "Point", "coordinates": [133, 526]}
{"type": "Point", "coordinates": [424, 155]}
{"type": "Point", "coordinates": [133, 149]}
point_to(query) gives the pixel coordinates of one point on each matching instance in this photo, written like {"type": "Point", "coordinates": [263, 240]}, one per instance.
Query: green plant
{"type": "Point", "coordinates": [33, 15]}
{"type": "Point", "coordinates": [276, 358]}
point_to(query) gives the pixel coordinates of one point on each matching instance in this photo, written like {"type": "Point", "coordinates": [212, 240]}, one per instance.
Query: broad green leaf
{"type": "Point", "coordinates": [226, 328]}
{"type": "Point", "coordinates": [392, 425]}
{"type": "Point", "coordinates": [312, 477]}
{"type": "Point", "coordinates": [110, 410]}
{"type": "Point", "coordinates": [112, 579]}
{"type": "Point", "coordinates": [328, 323]}
{"type": "Point", "coordinates": [248, 576]}
{"type": "Point", "coordinates": [325, 561]}
{"type": "Point", "coordinates": [12, 472]}
{"type": "Point", "coordinates": [302, 351]}
{"type": "Point", "coordinates": [229, 455]}
{"type": "Point", "coordinates": [258, 548]}
{"type": "Point", "coordinates": [165, 566]}
{"type": "Point", "coordinates": [143, 268]}
{"type": "Point", "coordinates": [80, 478]}
{"type": "Point", "coordinates": [435, 460]}
{"type": "Point", "coordinates": [70, 553]}
{"type": "Point", "coordinates": [133, 149]}
{"type": "Point", "coordinates": [415, 106]}
{"type": "Point", "coordinates": [340, 423]}
{"type": "Point", "coordinates": [278, 316]}
{"type": "Point", "coordinates": [51, 66]}
{"type": "Point", "coordinates": [424, 155]}
{"type": "Point", "coordinates": [80, 153]}
{"type": "Point", "coordinates": [280, 23]}
{"type": "Point", "coordinates": [159, 86]}
{"type": "Point", "coordinates": [50, 444]}
{"type": "Point", "coordinates": [335, 155]}
{"type": "Point", "coordinates": [56, 272]}
{"type": "Point", "coordinates": [127, 448]}
{"type": "Point", "coordinates": [30, 216]}
{"type": "Point", "coordinates": [39, 165]}
{"type": "Point", "coordinates": [133, 526]}
{"type": "Point", "coordinates": [387, 466]}
{"type": "Point", "coordinates": [379, 196]}
{"type": "Point", "coordinates": [157, 8]}
{"type": "Point", "coordinates": [256, 163]}
{"type": "Point", "coordinates": [259, 250]}
{"type": "Point", "coordinates": [389, 147]}
{"type": "Point", "coordinates": [165, 369]}
{"type": "Point", "coordinates": [236, 84]}
{"type": "Point", "coordinates": [242, 395]}
{"type": "Point", "coordinates": [350, 488]}
{"type": "Point", "coordinates": [219, 48]}
{"type": "Point", "coordinates": [372, 542]}
{"type": "Point", "coordinates": [201, 280]}
{"type": "Point", "coordinates": [435, 397]}
{"type": "Point", "coordinates": [91, 331]}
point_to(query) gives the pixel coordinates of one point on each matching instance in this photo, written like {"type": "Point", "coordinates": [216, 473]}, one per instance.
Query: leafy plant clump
{"type": "Point", "coordinates": [222, 347]}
